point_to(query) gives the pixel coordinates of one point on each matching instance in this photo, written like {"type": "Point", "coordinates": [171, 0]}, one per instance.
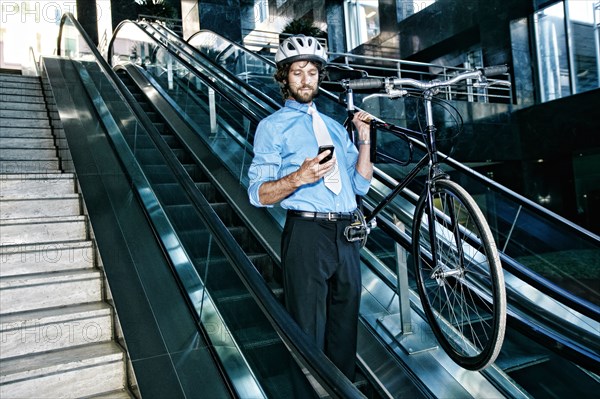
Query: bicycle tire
{"type": "Point", "coordinates": [462, 292]}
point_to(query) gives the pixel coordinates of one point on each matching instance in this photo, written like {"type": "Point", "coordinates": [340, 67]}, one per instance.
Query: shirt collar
{"type": "Point", "coordinates": [299, 106]}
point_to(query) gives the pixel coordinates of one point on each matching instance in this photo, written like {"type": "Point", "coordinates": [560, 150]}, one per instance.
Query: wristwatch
{"type": "Point", "coordinates": [363, 142]}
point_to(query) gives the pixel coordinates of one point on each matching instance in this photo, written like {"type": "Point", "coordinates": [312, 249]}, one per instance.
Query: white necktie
{"type": "Point", "coordinates": [332, 179]}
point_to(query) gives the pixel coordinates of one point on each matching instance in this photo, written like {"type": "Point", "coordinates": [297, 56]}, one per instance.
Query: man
{"type": "Point", "coordinates": [321, 267]}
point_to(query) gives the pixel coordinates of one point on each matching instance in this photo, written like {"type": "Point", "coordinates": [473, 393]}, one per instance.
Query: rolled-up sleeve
{"type": "Point", "coordinates": [266, 163]}
{"type": "Point", "coordinates": [361, 185]}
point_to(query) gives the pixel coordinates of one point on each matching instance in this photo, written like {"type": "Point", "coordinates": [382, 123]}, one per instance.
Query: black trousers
{"type": "Point", "coordinates": [322, 285]}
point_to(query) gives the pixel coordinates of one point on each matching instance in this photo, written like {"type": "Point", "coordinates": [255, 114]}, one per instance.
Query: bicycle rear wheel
{"type": "Point", "coordinates": [459, 276]}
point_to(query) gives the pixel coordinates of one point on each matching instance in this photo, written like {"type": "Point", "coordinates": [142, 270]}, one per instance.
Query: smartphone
{"type": "Point", "coordinates": [325, 148]}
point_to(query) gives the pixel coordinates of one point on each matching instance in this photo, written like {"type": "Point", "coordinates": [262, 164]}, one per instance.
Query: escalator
{"type": "Point", "coordinates": [192, 96]}
{"type": "Point", "coordinates": [225, 276]}
{"type": "Point", "coordinates": [538, 340]}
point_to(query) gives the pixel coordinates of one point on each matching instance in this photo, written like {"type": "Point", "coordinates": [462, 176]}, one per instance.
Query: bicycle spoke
{"type": "Point", "coordinates": [454, 272]}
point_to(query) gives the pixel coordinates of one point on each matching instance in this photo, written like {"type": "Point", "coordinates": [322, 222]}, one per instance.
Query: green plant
{"type": "Point", "coordinates": [156, 8]}
{"type": "Point", "coordinates": [303, 26]}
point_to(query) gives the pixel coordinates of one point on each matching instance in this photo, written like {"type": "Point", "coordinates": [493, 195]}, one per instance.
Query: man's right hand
{"type": "Point", "coordinates": [312, 170]}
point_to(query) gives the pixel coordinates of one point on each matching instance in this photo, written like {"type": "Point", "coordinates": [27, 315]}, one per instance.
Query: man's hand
{"type": "Point", "coordinates": [311, 170]}
{"type": "Point", "coordinates": [362, 122]}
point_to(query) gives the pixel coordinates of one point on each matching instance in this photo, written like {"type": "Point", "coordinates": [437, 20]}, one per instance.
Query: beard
{"type": "Point", "coordinates": [301, 96]}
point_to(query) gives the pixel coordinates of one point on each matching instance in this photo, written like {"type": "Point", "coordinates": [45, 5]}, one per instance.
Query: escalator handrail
{"type": "Point", "coordinates": [219, 88]}
{"type": "Point", "coordinates": [245, 86]}
{"type": "Point", "coordinates": [331, 378]}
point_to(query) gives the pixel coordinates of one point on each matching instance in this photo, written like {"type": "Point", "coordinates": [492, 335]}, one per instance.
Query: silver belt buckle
{"type": "Point", "coordinates": [330, 218]}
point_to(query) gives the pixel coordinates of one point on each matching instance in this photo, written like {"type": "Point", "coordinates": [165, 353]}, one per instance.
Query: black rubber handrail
{"type": "Point", "coordinates": [223, 88]}
{"type": "Point", "coordinates": [245, 86]}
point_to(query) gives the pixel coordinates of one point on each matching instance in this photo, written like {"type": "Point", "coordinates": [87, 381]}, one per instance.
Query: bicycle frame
{"type": "Point", "coordinates": [430, 159]}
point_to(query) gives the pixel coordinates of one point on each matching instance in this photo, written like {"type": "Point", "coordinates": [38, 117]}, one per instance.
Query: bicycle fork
{"type": "Point", "coordinates": [439, 271]}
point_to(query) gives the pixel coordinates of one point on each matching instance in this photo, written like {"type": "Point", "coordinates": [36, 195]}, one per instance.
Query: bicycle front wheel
{"type": "Point", "coordinates": [459, 275]}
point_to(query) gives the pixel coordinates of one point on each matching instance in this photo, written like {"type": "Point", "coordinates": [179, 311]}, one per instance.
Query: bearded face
{"type": "Point", "coordinates": [303, 81]}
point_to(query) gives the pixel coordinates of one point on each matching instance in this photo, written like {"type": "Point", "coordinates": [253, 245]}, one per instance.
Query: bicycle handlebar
{"type": "Point", "coordinates": [366, 83]}
{"type": "Point", "coordinates": [378, 83]}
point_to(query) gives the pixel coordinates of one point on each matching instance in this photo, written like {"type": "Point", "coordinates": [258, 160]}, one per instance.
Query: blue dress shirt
{"type": "Point", "coordinates": [284, 140]}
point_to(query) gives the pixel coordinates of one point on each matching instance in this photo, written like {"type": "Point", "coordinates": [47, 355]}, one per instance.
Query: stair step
{"type": "Point", "coordinates": [50, 184]}
{"type": "Point", "coordinates": [16, 98]}
{"type": "Point", "coordinates": [4, 122]}
{"type": "Point", "coordinates": [120, 394]}
{"type": "Point", "coordinates": [7, 78]}
{"type": "Point", "coordinates": [48, 290]}
{"type": "Point", "coordinates": [42, 230]}
{"type": "Point", "coordinates": [9, 105]}
{"type": "Point", "coordinates": [13, 154]}
{"type": "Point", "coordinates": [77, 372]}
{"type": "Point", "coordinates": [20, 114]}
{"type": "Point", "coordinates": [27, 91]}
{"type": "Point", "coordinates": [31, 85]}
{"type": "Point", "coordinates": [46, 330]}
{"type": "Point", "coordinates": [19, 207]}
{"type": "Point", "coordinates": [24, 132]}
{"type": "Point", "coordinates": [27, 142]}
{"type": "Point", "coordinates": [40, 166]}
{"type": "Point", "coordinates": [42, 258]}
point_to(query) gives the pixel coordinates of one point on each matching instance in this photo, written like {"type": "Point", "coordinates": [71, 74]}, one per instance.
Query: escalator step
{"type": "Point", "coordinates": [209, 191]}
{"type": "Point", "coordinates": [183, 155]}
{"type": "Point", "coordinates": [195, 173]}
{"type": "Point", "coordinates": [149, 156]}
{"type": "Point", "coordinates": [170, 194]}
{"type": "Point", "coordinates": [159, 174]}
{"type": "Point", "coordinates": [145, 106]}
{"type": "Point", "coordinates": [153, 116]}
{"type": "Point", "coordinates": [243, 237]}
{"type": "Point", "coordinates": [226, 214]}
{"type": "Point", "coordinates": [160, 126]}
{"type": "Point", "coordinates": [171, 140]}
{"type": "Point", "coordinates": [139, 142]}
{"type": "Point", "coordinates": [185, 218]}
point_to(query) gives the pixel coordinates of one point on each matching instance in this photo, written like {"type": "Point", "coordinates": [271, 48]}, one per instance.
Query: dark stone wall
{"type": "Point", "coordinates": [222, 17]}
{"type": "Point", "coordinates": [88, 18]}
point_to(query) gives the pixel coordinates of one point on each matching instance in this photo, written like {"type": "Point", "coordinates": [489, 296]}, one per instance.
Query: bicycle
{"type": "Point", "coordinates": [458, 271]}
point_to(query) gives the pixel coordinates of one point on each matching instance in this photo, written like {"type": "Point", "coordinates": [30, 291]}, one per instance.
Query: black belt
{"type": "Point", "coordinates": [330, 216]}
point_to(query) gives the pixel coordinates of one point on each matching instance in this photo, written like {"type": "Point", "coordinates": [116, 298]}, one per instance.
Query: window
{"type": "Point", "coordinates": [406, 8]}
{"type": "Point", "coordinates": [566, 35]}
{"type": "Point", "coordinates": [261, 11]}
{"type": "Point", "coordinates": [583, 18]}
{"type": "Point", "coordinates": [362, 21]}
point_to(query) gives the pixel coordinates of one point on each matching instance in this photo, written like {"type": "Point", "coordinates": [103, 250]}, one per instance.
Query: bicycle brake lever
{"type": "Point", "coordinates": [393, 93]}
{"type": "Point", "coordinates": [492, 82]}
{"type": "Point", "coordinates": [497, 82]}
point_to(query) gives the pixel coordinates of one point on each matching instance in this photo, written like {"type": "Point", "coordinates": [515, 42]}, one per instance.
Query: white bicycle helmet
{"type": "Point", "coordinates": [300, 48]}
